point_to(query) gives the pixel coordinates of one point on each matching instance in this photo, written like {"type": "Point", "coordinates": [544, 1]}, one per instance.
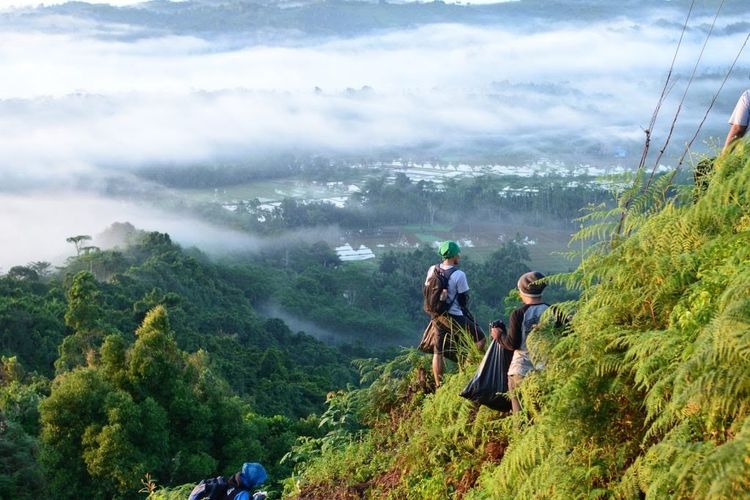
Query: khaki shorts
{"type": "Point", "coordinates": [449, 327]}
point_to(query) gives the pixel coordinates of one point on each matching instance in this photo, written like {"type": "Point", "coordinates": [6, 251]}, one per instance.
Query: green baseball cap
{"type": "Point", "coordinates": [449, 249]}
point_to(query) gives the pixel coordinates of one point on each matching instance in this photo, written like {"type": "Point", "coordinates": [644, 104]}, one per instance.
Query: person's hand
{"type": "Point", "coordinates": [496, 332]}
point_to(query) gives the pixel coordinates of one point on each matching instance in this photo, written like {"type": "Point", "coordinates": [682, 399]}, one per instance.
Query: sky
{"type": "Point", "coordinates": [82, 101]}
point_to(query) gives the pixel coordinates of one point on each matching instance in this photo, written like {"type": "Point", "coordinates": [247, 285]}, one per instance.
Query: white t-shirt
{"type": "Point", "coordinates": [741, 114]}
{"type": "Point", "coordinates": [457, 283]}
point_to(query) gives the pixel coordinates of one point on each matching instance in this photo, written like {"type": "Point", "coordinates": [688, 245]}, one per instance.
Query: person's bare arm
{"type": "Point", "coordinates": [735, 132]}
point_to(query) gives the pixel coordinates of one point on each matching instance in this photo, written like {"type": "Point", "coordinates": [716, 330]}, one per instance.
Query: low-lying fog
{"type": "Point", "coordinates": [35, 227]}
{"type": "Point", "coordinates": [78, 100]}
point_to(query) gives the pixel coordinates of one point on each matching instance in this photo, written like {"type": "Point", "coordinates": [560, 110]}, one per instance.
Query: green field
{"type": "Point", "coordinates": [427, 237]}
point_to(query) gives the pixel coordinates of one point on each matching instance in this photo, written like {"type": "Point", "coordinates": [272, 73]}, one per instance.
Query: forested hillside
{"type": "Point", "coordinates": [149, 359]}
{"type": "Point", "coordinates": [210, 308]}
{"type": "Point", "coordinates": [380, 305]}
{"type": "Point", "coordinates": [645, 393]}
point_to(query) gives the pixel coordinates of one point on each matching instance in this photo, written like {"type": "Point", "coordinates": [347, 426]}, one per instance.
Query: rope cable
{"type": "Point", "coordinates": [684, 95]}
{"type": "Point", "coordinates": [665, 90]}
{"type": "Point", "coordinates": [713, 101]}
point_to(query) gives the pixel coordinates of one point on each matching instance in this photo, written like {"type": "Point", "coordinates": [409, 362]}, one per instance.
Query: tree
{"type": "Point", "coordinates": [73, 351]}
{"type": "Point", "coordinates": [144, 409]}
{"type": "Point", "coordinates": [118, 235]}
{"type": "Point", "coordinates": [20, 394]}
{"type": "Point", "coordinates": [501, 271]}
{"type": "Point", "coordinates": [133, 441]}
{"type": "Point", "coordinates": [83, 315]}
{"type": "Point", "coordinates": [76, 406]}
{"type": "Point", "coordinates": [20, 475]}
{"type": "Point", "coordinates": [155, 363]}
{"type": "Point", "coordinates": [78, 242]}
{"type": "Point", "coordinates": [10, 370]}
{"type": "Point", "coordinates": [42, 268]}
{"type": "Point", "coordinates": [84, 311]}
{"type": "Point", "coordinates": [112, 359]}
{"type": "Point", "coordinates": [23, 273]}
{"type": "Point", "coordinates": [432, 209]}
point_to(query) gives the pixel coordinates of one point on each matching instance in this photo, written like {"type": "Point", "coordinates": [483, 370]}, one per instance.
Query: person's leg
{"type": "Point", "coordinates": [514, 382]}
{"type": "Point", "coordinates": [437, 367]}
{"type": "Point", "coordinates": [438, 359]}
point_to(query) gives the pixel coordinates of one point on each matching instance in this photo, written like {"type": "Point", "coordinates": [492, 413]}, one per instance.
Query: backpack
{"type": "Point", "coordinates": [436, 291]}
{"type": "Point", "coordinates": [218, 488]}
{"type": "Point", "coordinates": [210, 489]}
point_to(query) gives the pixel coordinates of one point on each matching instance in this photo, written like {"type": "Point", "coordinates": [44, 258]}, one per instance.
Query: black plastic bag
{"type": "Point", "coordinates": [489, 386]}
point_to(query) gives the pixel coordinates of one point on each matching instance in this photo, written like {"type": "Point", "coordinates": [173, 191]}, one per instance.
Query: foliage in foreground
{"type": "Point", "coordinates": [77, 414]}
{"type": "Point", "coordinates": [648, 394]}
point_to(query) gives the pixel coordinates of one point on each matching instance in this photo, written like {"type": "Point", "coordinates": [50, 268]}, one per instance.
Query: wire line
{"type": "Point", "coordinates": [684, 95]}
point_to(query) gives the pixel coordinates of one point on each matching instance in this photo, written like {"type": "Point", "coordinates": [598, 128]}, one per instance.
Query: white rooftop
{"type": "Point", "coordinates": [346, 253]}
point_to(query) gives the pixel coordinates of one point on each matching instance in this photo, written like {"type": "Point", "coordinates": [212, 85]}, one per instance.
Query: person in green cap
{"type": "Point", "coordinates": [456, 316]}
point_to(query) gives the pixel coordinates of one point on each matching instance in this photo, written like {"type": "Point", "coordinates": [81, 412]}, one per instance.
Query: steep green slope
{"type": "Point", "coordinates": [647, 393]}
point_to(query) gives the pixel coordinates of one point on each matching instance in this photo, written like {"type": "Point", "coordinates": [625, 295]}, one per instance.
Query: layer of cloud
{"type": "Point", "coordinates": [75, 104]}
{"type": "Point", "coordinates": [446, 56]}
{"type": "Point", "coordinates": [36, 225]}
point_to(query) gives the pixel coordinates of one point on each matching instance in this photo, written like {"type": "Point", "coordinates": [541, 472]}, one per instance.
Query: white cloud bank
{"type": "Point", "coordinates": [72, 104]}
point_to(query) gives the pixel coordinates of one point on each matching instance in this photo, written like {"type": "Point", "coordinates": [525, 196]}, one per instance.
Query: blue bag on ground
{"type": "Point", "coordinates": [489, 386]}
